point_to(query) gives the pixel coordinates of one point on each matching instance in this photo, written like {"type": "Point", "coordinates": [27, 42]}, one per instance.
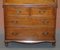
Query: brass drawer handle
{"type": "Point", "coordinates": [14, 33]}
{"type": "Point", "coordinates": [15, 22]}
{"type": "Point", "coordinates": [45, 21]}
{"type": "Point", "coordinates": [41, 11]}
{"type": "Point", "coordinates": [45, 33]}
{"type": "Point", "coordinates": [18, 11]}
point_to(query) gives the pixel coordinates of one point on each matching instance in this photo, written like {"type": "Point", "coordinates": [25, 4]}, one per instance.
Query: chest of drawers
{"type": "Point", "coordinates": [30, 22]}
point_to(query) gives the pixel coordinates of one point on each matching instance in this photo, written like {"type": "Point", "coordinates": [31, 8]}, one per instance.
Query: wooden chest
{"type": "Point", "coordinates": [31, 21]}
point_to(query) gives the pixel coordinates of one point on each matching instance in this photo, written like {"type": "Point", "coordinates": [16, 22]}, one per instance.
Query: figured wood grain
{"type": "Point", "coordinates": [32, 23]}
{"type": "Point", "coordinates": [17, 10]}
{"type": "Point", "coordinates": [29, 27]}
{"type": "Point", "coordinates": [30, 1]}
{"type": "Point", "coordinates": [30, 33]}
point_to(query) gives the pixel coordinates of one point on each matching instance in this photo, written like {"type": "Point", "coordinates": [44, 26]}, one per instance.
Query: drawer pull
{"type": "Point", "coordinates": [42, 12]}
{"type": "Point", "coordinates": [18, 11]}
{"type": "Point", "coordinates": [45, 33]}
{"type": "Point", "coordinates": [45, 21]}
{"type": "Point", "coordinates": [15, 22]}
{"type": "Point", "coordinates": [14, 33]}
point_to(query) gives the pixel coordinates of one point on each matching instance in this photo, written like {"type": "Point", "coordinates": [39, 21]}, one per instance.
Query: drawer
{"type": "Point", "coordinates": [30, 33]}
{"type": "Point", "coordinates": [18, 21]}
{"type": "Point", "coordinates": [44, 11]}
{"type": "Point", "coordinates": [15, 10]}
{"type": "Point", "coordinates": [30, 21]}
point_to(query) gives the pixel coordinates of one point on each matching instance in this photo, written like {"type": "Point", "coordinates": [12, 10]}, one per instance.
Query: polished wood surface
{"type": "Point", "coordinates": [33, 11]}
{"type": "Point", "coordinates": [30, 1]}
{"type": "Point", "coordinates": [32, 34]}
{"type": "Point", "coordinates": [30, 20]}
{"type": "Point", "coordinates": [30, 23]}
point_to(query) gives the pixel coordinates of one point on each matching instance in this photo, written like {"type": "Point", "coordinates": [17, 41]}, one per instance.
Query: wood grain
{"type": "Point", "coordinates": [30, 1]}
{"type": "Point", "coordinates": [29, 23]}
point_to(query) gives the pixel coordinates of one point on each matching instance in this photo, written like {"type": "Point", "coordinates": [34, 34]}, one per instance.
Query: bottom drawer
{"type": "Point", "coordinates": [30, 33]}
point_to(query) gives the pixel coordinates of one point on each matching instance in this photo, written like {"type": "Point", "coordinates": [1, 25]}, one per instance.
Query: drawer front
{"type": "Point", "coordinates": [30, 1]}
{"type": "Point", "coordinates": [44, 11]}
{"type": "Point", "coordinates": [16, 10]}
{"type": "Point", "coordinates": [30, 21]}
{"type": "Point", "coordinates": [29, 11]}
{"type": "Point", "coordinates": [30, 33]}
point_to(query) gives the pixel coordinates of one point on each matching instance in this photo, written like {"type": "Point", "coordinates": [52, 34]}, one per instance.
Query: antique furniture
{"type": "Point", "coordinates": [30, 21]}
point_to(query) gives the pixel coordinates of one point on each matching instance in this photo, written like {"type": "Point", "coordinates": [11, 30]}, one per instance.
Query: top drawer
{"type": "Point", "coordinates": [44, 11]}
{"type": "Point", "coordinates": [16, 10]}
{"type": "Point", "coordinates": [43, 2]}
{"type": "Point", "coordinates": [11, 10]}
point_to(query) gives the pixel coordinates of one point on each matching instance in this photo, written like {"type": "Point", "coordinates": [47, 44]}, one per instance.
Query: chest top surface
{"type": "Point", "coordinates": [43, 2]}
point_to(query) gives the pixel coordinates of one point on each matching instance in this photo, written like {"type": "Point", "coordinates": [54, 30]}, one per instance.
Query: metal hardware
{"type": "Point", "coordinates": [42, 12]}
{"type": "Point", "coordinates": [14, 22]}
{"type": "Point", "coordinates": [14, 33]}
{"type": "Point", "coordinates": [45, 33]}
{"type": "Point", "coordinates": [45, 21]}
{"type": "Point", "coordinates": [18, 11]}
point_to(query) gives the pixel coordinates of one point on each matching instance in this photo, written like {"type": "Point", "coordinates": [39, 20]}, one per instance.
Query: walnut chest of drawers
{"type": "Point", "coordinates": [31, 21]}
